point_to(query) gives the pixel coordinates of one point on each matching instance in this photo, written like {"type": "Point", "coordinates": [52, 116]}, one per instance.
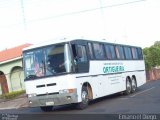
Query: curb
{"type": "Point", "coordinates": [6, 108]}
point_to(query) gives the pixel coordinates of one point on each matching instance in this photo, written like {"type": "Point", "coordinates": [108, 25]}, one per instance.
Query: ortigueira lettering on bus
{"type": "Point", "coordinates": [113, 69]}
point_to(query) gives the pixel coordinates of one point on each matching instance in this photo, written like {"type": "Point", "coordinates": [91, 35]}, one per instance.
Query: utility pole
{"type": "Point", "coordinates": [23, 14]}
{"type": "Point", "coordinates": [103, 17]}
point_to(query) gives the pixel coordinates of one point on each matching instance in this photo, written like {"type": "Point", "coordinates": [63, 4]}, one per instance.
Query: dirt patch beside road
{"type": "Point", "coordinates": [15, 103]}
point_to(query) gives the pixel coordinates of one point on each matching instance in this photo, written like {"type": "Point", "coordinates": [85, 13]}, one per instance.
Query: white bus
{"type": "Point", "coordinates": [75, 71]}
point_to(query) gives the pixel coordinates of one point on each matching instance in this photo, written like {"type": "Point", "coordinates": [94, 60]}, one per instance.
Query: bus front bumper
{"type": "Point", "coordinates": [53, 100]}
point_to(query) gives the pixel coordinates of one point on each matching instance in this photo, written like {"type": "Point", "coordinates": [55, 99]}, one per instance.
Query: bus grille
{"type": "Point", "coordinates": [55, 93]}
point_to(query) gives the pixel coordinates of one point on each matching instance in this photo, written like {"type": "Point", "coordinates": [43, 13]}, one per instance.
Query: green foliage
{"type": "Point", "coordinates": [12, 95]}
{"type": "Point", "coordinates": [152, 55]}
{"type": "Point", "coordinates": [146, 58]}
{"type": "Point", "coordinates": [157, 44]}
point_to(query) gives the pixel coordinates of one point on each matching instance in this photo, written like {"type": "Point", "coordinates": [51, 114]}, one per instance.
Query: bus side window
{"type": "Point", "coordinates": [140, 56]}
{"type": "Point", "coordinates": [90, 51]}
{"type": "Point", "coordinates": [119, 52]}
{"type": "Point", "coordinates": [82, 54]}
{"type": "Point", "coordinates": [98, 51]}
{"type": "Point", "coordinates": [74, 50]}
{"type": "Point", "coordinates": [108, 52]}
{"type": "Point", "coordinates": [134, 53]}
{"type": "Point", "coordinates": [127, 51]}
{"type": "Point", "coordinates": [113, 52]}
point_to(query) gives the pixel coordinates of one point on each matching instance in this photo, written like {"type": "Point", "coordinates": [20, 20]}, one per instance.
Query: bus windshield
{"type": "Point", "coordinates": [47, 61]}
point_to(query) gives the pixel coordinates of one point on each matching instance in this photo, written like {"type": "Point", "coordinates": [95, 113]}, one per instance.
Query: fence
{"type": "Point", "coordinates": [153, 74]}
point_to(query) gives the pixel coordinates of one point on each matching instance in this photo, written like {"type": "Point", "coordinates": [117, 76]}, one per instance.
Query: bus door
{"type": "Point", "coordinates": [80, 58]}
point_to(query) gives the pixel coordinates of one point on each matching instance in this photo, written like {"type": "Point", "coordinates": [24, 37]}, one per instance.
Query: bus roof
{"type": "Point", "coordinates": [56, 41]}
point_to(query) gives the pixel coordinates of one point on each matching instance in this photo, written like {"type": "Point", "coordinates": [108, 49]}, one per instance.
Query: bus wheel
{"type": "Point", "coordinates": [134, 85]}
{"type": "Point", "coordinates": [85, 99]}
{"type": "Point", "coordinates": [128, 87]}
{"type": "Point", "coordinates": [46, 108]}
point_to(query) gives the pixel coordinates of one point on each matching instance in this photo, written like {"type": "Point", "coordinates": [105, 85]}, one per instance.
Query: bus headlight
{"type": "Point", "coordinates": [32, 95]}
{"type": "Point", "coordinates": [66, 91]}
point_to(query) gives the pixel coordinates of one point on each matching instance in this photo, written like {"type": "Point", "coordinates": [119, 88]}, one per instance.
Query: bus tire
{"type": "Point", "coordinates": [46, 108]}
{"type": "Point", "coordinates": [133, 85]}
{"type": "Point", "coordinates": [128, 87]}
{"type": "Point", "coordinates": [85, 99]}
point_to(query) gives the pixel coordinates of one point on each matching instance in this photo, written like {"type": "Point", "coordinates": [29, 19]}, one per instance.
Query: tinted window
{"type": "Point", "coordinates": [55, 59]}
{"type": "Point", "coordinates": [119, 52]}
{"type": "Point", "coordinates": [140, 55]}
{"type": "Point", "coordinates": [90, 50]}
{"type": "Point", "coordinates": [108, 52]}
{"type": "Point", "coordinates": [48, 61]}
{"type": "Point", "coordinates": [127, 51]}
{"type": "Point", "coordinates": [98, 51]}
{"type": "Point", "coordinates": [113, 52]}
{"type": "Point", "coordinates": [74, 50]}
{"type": "Point", "coordinates": [81, 52]}
{"type": "Point", "coordinates": [34, 63]}
{"type": "Point", "coordinates": [134, 53]}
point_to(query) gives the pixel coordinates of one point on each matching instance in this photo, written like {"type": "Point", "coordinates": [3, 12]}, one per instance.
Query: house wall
{"type": "Point", "coordinates": [14, 74]}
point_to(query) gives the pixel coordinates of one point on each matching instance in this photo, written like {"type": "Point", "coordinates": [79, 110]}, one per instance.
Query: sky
{"type": "Point", "coordinates": [132, 22]}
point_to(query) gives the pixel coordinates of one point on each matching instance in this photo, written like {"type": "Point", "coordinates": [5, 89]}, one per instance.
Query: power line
{"type": "Point", "coordinates": [4, 4]}
{"type": "Point", "coordinates": [102, 16]}
{"type": "Point", "coordinates": [87, 10]}
{"type": "Point", "coordinates": [77, 12]}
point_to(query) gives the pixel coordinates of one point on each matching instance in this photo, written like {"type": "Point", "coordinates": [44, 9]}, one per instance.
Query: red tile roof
{"type": "Point", "coordinates": [12, 53]}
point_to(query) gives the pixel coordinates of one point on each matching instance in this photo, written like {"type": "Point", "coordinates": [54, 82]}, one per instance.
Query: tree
{"type": "Point", "coordinates": [157, 44]}
{"type": "Point", "coordinates": [152, 55]}
{"type": "Point", "coordinates": [146, 58]}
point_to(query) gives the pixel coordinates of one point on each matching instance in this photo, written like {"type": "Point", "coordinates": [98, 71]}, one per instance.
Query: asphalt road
{"type": "Point", "coordinates": [146, 100]}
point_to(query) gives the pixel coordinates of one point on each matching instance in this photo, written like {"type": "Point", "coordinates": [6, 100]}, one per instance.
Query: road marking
{"type": "Point", "coordinates": [142, 91]}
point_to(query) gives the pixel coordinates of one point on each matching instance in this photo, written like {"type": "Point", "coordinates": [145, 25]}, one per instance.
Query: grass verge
{"type": "Point", "coordinates": [12, 95]}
